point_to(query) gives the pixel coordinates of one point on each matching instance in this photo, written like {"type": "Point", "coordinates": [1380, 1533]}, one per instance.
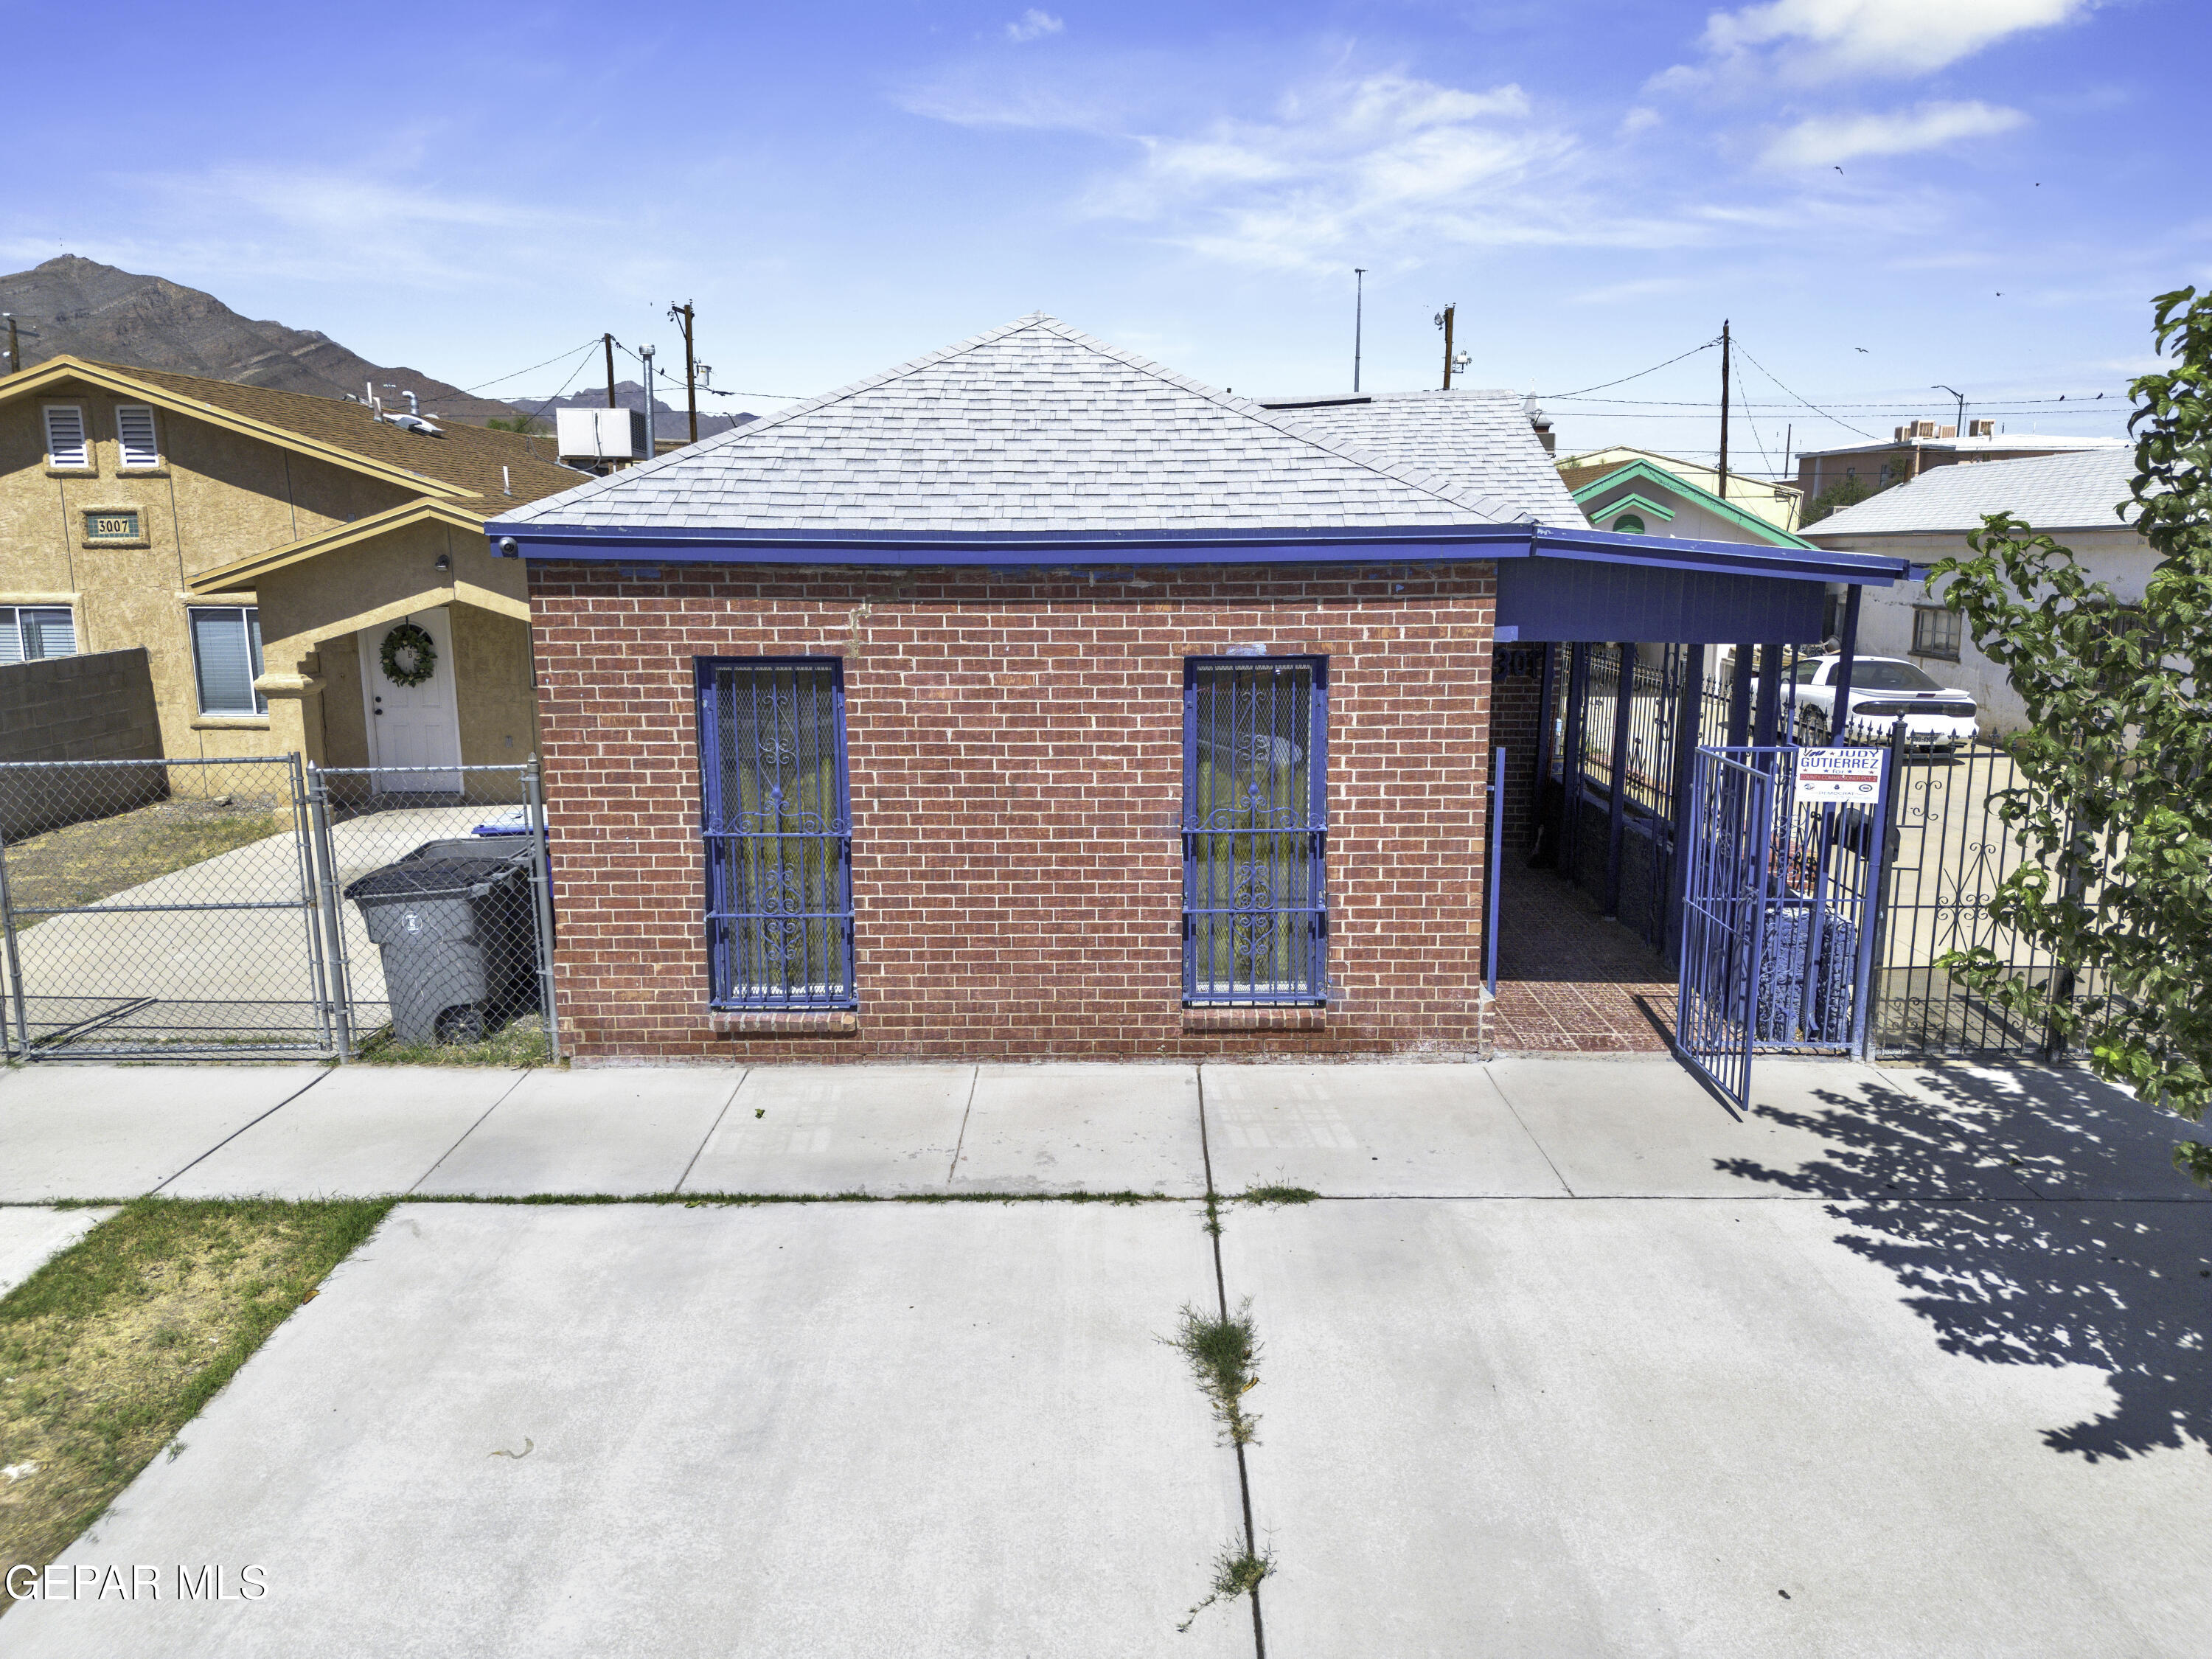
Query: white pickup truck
{"type": "Point", "coordinates": [1884, 689]}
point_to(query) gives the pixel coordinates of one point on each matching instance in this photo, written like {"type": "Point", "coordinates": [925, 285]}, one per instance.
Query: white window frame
{"type": "Point", "coordinates": [12, 639]}
{"type": "Point", "coordinates": [84, 462]}
{"type": "Point", "coordinates": [260, 703]}
{"type": "Point", "coordinates": [125, 462]}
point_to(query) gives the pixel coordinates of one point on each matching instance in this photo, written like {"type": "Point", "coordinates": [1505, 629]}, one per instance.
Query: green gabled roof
{"type": "Point", "coordinates": [1643, 473]}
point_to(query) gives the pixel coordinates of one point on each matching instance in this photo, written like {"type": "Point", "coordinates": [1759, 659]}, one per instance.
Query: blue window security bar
{"type": "Point", "coordinates": [776, 820]}
{"type": "Point", "coordinates": [1255, 830]}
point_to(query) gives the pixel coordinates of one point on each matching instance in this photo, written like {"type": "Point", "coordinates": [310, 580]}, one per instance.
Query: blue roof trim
{"type": "Point", "coordinates": [1026, 550]}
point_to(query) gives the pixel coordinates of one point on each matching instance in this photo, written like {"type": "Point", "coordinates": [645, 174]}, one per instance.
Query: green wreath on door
{"type": "Point", "coordinates": [408, 656]}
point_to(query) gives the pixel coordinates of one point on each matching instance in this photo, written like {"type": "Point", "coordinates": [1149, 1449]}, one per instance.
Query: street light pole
{"type": "Point", "coordinates": [1358, 320]}
{"type": "Point", "coordinates": [1961, 429]}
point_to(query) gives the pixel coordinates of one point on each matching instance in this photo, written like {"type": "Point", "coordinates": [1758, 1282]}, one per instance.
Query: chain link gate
{"type": "Point", "coordinates": [231, 909]}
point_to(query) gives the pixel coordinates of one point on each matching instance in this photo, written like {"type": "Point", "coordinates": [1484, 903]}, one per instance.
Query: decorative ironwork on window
{"type": "Point", "coordinates": [1254, 830]}
{"type": "Point", "coordinates": [777, 822]}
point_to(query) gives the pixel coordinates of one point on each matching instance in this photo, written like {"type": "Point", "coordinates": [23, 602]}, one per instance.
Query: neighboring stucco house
{"type": "Point", "coordinates": [1030, 700]}
{"type": "Point", "coordinates": [2082, 499]}
{"type": "Point", "coordinates": [261, 546]}
{"type": "Point", "coordinates": [1777, 504]}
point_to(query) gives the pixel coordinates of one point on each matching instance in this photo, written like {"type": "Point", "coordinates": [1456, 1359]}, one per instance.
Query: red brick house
{"type": "Point", "coordinates": [1030, 700]}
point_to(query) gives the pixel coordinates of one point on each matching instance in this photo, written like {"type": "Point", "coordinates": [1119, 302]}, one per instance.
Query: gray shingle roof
{"type": "Point", "coordinates": [1038, 427]}
{"type": "Point", "coordinates": [1479, 440]}
{"type": "Point", "coordinates": [2054, 492]}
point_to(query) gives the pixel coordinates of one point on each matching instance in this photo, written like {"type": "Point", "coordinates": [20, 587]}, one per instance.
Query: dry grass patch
{"type": "Point", "coordinates": [84, 863]}
{"type": "Point", "coordinates": [114, 1344]}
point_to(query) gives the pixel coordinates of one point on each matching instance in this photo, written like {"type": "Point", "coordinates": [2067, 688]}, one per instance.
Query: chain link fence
{"type": "Point", "coordinates": [263, 908]}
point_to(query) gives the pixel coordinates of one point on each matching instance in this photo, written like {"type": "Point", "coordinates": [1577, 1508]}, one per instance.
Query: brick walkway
{"type": "Point", "coordinates": [1570, 981]}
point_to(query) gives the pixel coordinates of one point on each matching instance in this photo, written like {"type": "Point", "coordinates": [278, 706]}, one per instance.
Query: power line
{"type": "Point", "coordinates": [533, 369]}
{"type": "Point", "coordinates": [1846, 425]}
{"type": "Point", "coordinates": [1638, 375]}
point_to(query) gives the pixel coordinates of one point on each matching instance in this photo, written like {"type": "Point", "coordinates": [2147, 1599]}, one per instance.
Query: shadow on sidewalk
{"type": "Point", "coordinates": [2123, 1285]}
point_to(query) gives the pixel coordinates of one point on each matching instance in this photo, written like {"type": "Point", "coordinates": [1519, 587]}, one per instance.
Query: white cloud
{"type": "Point", "coordinates": [1817, 40]}
{"type": "Point", "coordinates": [1827, 140]}
{"type": "Point", "coordinates": [1034, 25]}
{"type": "Point", "coordinates": [1383, 165]}
{"type": "Point", "coordinates": [1640, 120]}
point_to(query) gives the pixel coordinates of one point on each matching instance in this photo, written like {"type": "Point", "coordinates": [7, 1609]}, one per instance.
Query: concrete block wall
{"type": "Point", "coordinates": [1015, 757]}
{"type": "Point", "coordinates": [96, 706]}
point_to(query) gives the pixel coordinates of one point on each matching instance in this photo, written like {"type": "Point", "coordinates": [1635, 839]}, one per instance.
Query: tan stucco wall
{"type": "Point", "coordinates": [217, 496]}
{"type": "Point", "coordinates": [312, 611]}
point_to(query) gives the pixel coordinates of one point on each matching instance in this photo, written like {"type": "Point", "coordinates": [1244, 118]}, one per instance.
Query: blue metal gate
{"type": "Point", "coordinates": [1778, 913]}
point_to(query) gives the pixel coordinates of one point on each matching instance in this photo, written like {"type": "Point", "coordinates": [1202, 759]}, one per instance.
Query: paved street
{"type": "Point", "coordinates": [1566, 1360]}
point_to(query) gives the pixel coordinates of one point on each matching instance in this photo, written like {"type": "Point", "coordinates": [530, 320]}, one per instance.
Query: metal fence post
{"type": "Point", "coordinates": [541, 885]}
{"type": "Point", "coordinates": [16, 1040]}
{"type": "Point", "coordinates": [331, 976]}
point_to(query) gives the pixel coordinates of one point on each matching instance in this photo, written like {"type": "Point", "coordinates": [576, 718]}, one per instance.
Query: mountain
{"type": "Point", "coordinates": [85, 309]}
{"type": "Point", "coordinates": [669, 420]}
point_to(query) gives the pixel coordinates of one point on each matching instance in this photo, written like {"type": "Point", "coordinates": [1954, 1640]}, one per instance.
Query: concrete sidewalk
{"type": "Point", "coordinates": [1569, 1360]}
{"type": "Point", "coordinates": [1625, 1127]}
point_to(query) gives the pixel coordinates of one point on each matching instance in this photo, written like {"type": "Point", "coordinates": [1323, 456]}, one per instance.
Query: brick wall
{"type": "Point", "coordinates": [1516, 678]}
{"type": "Point", "coordinates": [1016, 752]}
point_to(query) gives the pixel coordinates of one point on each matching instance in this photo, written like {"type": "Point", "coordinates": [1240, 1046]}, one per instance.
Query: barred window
{"type": "Point", "coordinates": [1935, 632]}
{"type": "Point", "coordinates": [776, 820]}
{"type": "Point", "coordinates": [1255, 830]}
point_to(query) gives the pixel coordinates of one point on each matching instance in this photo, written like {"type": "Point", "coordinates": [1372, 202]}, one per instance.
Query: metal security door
{"type": "Point", "coordinates": [1781, 874]}
{"type": "Point", "coordinates": [1724, 886]}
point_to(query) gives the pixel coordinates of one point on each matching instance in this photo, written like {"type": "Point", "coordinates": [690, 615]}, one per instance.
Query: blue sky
{"type": "Point", "coordinates": [1882, 194]}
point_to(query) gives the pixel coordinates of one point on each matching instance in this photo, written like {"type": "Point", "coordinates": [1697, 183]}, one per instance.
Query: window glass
{"type": "Point", "coordinates": [1880, 674]}
{"type": "Point", "coordinates": [777, 822]}
{"type": "Point", "coordinates": [1935, 632]}
{"type": "Point", "coordinates": [1806, 671]}
{"type": "Point", "coordinates": [227, 659]}
{"type": "Point", "coordinates": [1255, 828]}
{"type": "Point", "coordinates": [28, 633]}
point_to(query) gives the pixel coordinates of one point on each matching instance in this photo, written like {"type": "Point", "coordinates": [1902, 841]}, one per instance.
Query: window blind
{"type": "Point", "coordinates": [65, 444]}
{"type": "Point", "coordinates": [134, 433]}
{"type": "Point", "coordinates": [227, 659]}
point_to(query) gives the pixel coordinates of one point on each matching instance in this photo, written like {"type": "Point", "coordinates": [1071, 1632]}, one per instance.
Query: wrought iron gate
{"type": "Point", "coordinates": [1778, 915]}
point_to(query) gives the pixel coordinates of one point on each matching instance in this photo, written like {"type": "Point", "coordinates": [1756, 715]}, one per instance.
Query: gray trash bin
{"type": "Point", "coordinates": [453, 920]}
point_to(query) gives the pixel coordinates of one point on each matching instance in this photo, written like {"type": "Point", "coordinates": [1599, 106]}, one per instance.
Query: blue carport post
{"type": "Point", "coordinates": [1770, 697]}
{"type": "Point", "coordinates": [1739, 726]}
{"type": "Point", "coordinates": [1840, 714]}
{"type": "Point", "coordinates": [1686, 737]}
{"type": "Point", "coordinates": [1616, 811]}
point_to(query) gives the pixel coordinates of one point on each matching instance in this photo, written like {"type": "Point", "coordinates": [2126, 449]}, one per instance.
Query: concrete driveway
{"type": "Point", "coordinates": [1566, 1361]}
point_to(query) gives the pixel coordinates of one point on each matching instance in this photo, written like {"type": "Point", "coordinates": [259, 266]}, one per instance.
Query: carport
{"type": "Point", "coordinates": [1601, 699]}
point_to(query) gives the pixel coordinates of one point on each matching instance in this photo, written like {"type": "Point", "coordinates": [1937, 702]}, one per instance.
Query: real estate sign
{"type": "Point", "coordinates": [1838, 775]}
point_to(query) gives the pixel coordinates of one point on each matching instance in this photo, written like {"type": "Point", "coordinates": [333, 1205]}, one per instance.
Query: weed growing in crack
{"type": "Point", "coordinates": [1279, 1195]}
{"type": "Point", "coordinates": [1224, 1355]}
{"type": "Point", "coordinates": [1236, 1572]}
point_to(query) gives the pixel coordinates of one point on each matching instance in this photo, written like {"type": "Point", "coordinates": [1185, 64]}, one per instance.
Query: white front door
{"type": "Point", "coordinates": [414, 731]}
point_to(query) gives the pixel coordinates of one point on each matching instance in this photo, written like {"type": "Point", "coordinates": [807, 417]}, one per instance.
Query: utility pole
{"type": "Point", "coordinates": [651, 443]}
{"type": "Point", "coordinates": [1359, 319]}
{"type": "Point", "coordinates": [1445, 322]}
{"type": "Point", "coordinates": [681, 316]}
{"type": "Point", "coordinates": [609, 340]}
{"type": "Point", "coordinates": [1724, 406]}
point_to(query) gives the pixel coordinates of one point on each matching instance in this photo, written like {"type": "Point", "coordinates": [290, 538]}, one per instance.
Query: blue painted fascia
{"type": "Point", "coordinates": [673, 545]}
{"type": "Point", "coordinates": [670, 544]}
